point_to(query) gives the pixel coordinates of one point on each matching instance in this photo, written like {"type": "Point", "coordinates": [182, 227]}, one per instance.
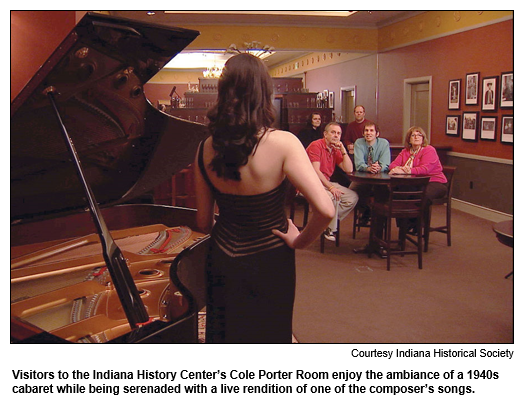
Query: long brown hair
{"type": "Point", "coordinates": [242, 114]}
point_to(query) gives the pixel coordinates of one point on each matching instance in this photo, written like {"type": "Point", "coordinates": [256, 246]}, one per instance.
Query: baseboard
{"type": "Point", "coordinates": [479, 211]}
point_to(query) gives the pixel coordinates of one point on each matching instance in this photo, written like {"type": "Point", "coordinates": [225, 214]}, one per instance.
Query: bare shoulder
{"type": "Point", "coordinates": [284, 140]}
{"type": "Point", "coordinates": [281, 135]}
{"type": "Point", "coordinates": [208, 148]}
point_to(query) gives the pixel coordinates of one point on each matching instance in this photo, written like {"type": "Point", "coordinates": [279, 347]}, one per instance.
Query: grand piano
{"type": "Point", "coordinates": [93, 259]}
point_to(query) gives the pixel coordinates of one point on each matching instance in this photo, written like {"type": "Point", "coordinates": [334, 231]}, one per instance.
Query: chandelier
{"type": "Point", "coordinates": [212, 72]}
{"type": "Point", "coordinates": [253, 48]}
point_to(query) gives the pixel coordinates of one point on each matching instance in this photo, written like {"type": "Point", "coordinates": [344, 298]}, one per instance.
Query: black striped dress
{"type": "Point", "coordinates": [251, 272]}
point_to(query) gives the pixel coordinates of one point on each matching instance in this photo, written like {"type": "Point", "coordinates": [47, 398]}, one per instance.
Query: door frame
{"type": "Point", "coordinates": [408, 83]}
{"type": "Point", "coordinates": [342, 107]}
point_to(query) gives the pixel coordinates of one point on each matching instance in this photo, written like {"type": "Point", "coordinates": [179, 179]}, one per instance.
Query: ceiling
{"type": "Point", "coordinates": [360, 19]}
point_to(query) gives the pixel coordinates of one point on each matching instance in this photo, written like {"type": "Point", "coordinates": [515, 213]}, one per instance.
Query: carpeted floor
{"type": "Point", "coordinates": [460, 295]}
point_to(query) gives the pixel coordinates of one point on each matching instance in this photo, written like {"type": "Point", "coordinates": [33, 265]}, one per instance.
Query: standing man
{"type": "Point", "coordinates": [371, 154]}
{"type": "Point", "coordinates": [355, 129]}
{"type": "Point", "coordinates": [325, 154]}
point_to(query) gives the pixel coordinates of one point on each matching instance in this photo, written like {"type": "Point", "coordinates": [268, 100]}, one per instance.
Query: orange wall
{"type": "Point", "coordinates": [34, 36]}
{"type": "Point", "coordinates": [488, 50]}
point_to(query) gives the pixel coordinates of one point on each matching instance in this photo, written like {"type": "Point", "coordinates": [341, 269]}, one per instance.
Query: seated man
{"type": "Point", "coordinates": [371, 154]}
{"type": "Point", "coordinates": [325, 154]}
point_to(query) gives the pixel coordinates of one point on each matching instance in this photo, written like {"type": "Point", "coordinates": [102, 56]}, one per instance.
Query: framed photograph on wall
{"type": "Point", "coordinates": [489, 99]}
{"type": "Point", "coordinates": [507, 129]}
{"type": "Point", "coordinates": [472, 89]}
{"type": "Point", "coordinates": [488, 128]}
{"type": "Point", "coordinates": [470, 126]}
{"type": "Point", "coordinates": [507, 90]}
{"type": "Point", "coordinates": [452, 125]}
{"type": "Point", "coordinates": [454, 94]}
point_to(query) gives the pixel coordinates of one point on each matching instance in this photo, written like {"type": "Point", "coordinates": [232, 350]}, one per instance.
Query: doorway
{"type": "Point", "coordinates": [417, 104]}
{"type": "Point", "coordinates": [348, 103]}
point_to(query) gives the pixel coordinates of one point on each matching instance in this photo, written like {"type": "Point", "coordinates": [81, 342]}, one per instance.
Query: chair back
{"type": "Point", "coordinates": [407, 196]}
{"type": "Point", "coordinates": [290, 193]}
{"type": "Point", "coordinates": [449, 172]}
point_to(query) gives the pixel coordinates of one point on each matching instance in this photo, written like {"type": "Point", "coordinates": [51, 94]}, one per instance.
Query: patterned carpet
{"type": "Point", "coordinates": [202, 329]}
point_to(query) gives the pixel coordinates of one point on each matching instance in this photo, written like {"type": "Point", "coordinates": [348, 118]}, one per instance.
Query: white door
{"type": "Point", "coordinates": [417, 104]}
{"type": "Point", "coordinates": [420, 104]}
{"type": "Point", "coordinates": [348, 102]}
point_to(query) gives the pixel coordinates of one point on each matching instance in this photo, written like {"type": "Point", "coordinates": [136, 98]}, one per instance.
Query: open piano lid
{"type": "Point", "coordinates": [125, 145]}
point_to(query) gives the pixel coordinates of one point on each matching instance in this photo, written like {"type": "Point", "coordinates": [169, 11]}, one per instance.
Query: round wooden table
{"type": "Point", "coordinates": [379, 183]}
{"type": "Point", "coordinates": [505, 234]}
{"type": "Point", "coordinates": [368, 178]}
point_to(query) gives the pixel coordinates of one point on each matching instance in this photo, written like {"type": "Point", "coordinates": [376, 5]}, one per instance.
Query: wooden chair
{"type": "Point", "coordinates": [406, 200]}
{"type": "Point", "coordinates": [357, 225]}
{"type": "Point", "coordinates": [299, 200]}
{"type": "Point", "coordinates": [449, 172]}
{"type": "Point", "coordinates": [295, 199]}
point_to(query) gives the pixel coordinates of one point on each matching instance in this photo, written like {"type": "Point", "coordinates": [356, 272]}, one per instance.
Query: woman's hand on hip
{"type": "Point", "coordinates": [291, 234]}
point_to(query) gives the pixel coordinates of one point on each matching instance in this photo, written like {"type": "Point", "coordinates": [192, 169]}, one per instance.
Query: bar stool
{"type": "Point", "coordinates": [449, 172]}
{"type": "Point", "coordinates": [406, 200]}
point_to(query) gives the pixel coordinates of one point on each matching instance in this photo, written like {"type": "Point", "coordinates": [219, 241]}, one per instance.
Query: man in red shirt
{"type": "Point", "coordinates": [325, 154]}
{"type": "Point", "coordinates": [355, 129]}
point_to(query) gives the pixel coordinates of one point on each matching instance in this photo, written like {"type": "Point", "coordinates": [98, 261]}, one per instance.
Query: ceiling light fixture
{"type": "Point", "coordinates": [212, 72]}
{"type": "Point", "coordinates": [253, 48]}
{"type": "Point", "coordinates": [270, 12]}
{"type": "Point", "coordinates": [198, 59]}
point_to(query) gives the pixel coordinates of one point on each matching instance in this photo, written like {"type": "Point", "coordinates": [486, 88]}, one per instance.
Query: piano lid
{"type": "Point", "coordinates": [126, 146]}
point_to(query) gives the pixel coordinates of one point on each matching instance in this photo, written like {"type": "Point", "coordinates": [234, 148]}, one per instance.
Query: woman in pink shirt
{"type": "Point", "coordinates": [419, 158]}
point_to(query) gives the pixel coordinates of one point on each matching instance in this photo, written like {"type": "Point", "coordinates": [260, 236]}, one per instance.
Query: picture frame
{"type": "Point", "coordinates": [472, 89]}
{"type": "Point", "coordinates": [319, 99]}
{"type": "Point", "coordinates": [489, 94]}
{"type": "Point", "coordinates": [488, 127]}
{"type": "Point", "coordinates": [454, 94]}
{"type": "Point", "coordinates": [452, 125]}
{"type": "Point", "coordinates": [331, 99]}
{"type": "Point", "coordinates": [469, 126]}
{"type": "Point", "coordinates": [507, 90]}
{"type": "Point", "coordinates": [507, 129]}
